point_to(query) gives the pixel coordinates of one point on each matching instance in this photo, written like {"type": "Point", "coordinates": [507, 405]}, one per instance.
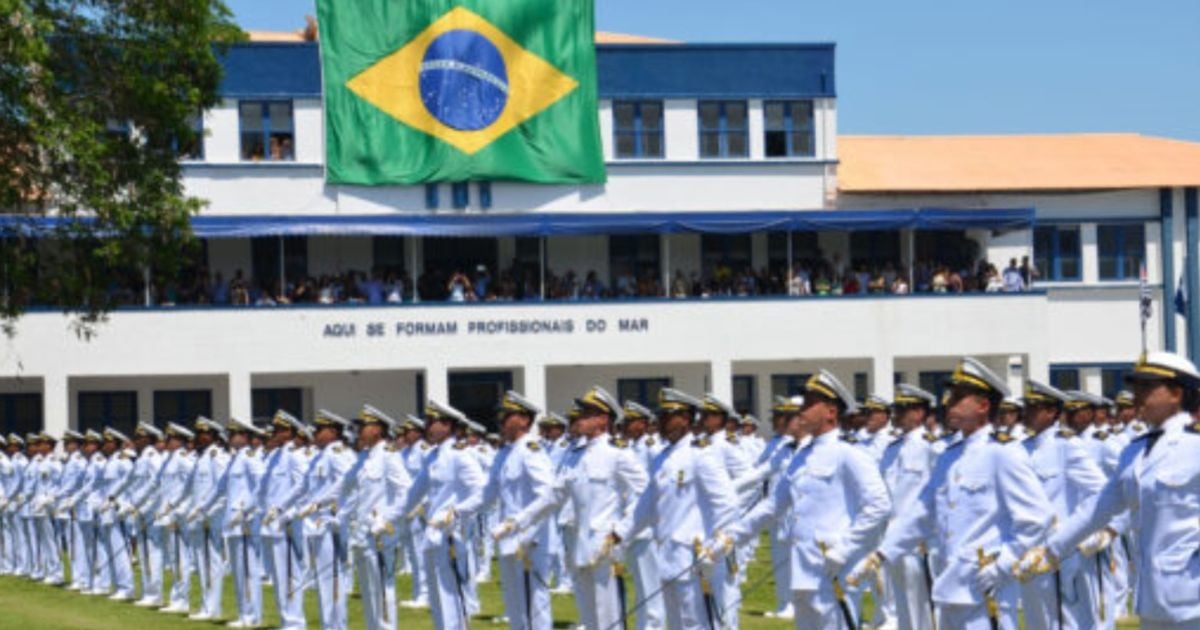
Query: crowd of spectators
{"type": "Point", "coordinates": [522, 282]}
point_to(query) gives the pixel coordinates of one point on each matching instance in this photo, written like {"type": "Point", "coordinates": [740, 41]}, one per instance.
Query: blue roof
{"type": "Point", "coordinates": [293, 70]}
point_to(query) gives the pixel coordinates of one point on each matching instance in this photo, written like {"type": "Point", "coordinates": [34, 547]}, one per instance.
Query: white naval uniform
{"type": "Point", "coordinates": [72, 480]}
{"type": "Point", "coordinates": [982, 494]}
{"type": "Point", "coordinates": [50, 551]}
{"type": "Point", "coordinates": [412, 535]}
{"type": "Point", "coordinates": [282, 483]}
{"type": "Point", "coordinates": [1069, 477]}
{"type": "Point", "coordinates": [642, 556]}
{"type": "Point", "coordinates": [374, 491]}
{"type": "Point", "coordinates": [239, 528]}
{"type": "Point", "coordinates": [520, 475]}
{"type": "Point", "coordinates": [84, 504]}
{"type": "Point", "coordinates": [906, 465]}
{"type": "Point", "coordinates": [9, 482]}
{"type": "Point", "coordinates": [327, 550]}
{"type": "Point", "coordinates": [727, 574]}
{"type": "Point", "coordinates": [169, 507]}
{"type": "Point", "coordinates": [1162, 491]}
{"type": "Point", "coordinates": [450, 483]}
{"type": "Point", "coordinates": [30, 549]}
{"type": "Point", "coordinates": [602, 479]}
{"type": "Point", "coordinates": [143, 485]}
{"type": "Point", "coordinates": [763, 477]}
{"type": "Point", "coordinates": [689, 497]}
{"type": "Point", "coordinates": [204, 532]}
{"type": "Point", "coordinates": [115, 569]}
{"type": "Point", "coordinates": [831, 494]}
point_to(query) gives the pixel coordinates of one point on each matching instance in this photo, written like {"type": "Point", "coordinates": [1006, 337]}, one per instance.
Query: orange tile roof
{"type": "Point", "coordinates": [1100, 161]}
{"type": "Point", "coordinates": [601, 37]}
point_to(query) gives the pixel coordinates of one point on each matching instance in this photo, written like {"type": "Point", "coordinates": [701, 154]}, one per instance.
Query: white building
{"type": "Point", "coordinates": [720, 157]}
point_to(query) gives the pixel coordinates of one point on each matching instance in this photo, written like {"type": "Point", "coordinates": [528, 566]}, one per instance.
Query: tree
{"type": "Point", "coordinates": [98, 98]}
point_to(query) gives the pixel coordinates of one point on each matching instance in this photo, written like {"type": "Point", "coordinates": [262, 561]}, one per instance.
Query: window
{"type": "Point", "coordinates": [860, 386]}
{"type": "Point", "coordinates": [744, 395]}
{"type": "Point", "coordinates": [933, 382]}
{"type": "Point", "coordinates": [267, 130]}
{"type": "Point", "coordinates": [460, 195]}
{"type": "Point", "coordinates": [638, 129]}
{"type": "Point", "coordinates": [945, 247]}
{"type": "Point", "coordinates": [729, 251]}
{"type": "Point", "coordinates": [97, 410]}
{"type": "Point", "coordinates": [788, 385]}
{"type": "Point", "coordinates": [723, 129]}
{"type": "Point", "coordinates": [1064, 378]}
{"type": "Point", "coordinates": [182, 406]}
{"type": "Point", "coordinates": [265, 402]}
{"type": "Point", "coordinates": [475, 394]}
{"type": "Point", "coordinates": [388, 254]}
{"type": "Point", "coordinates": [1056, 252]}
{"type": "Point", "coordinates": [264, 255]}
{"type": "Point", "coordinates": [1122, 251]}
{"type": "Point", "coordinates": [20, 413]}
{"type": "Point", "coordinates": [1112, 380]}
{"type": "Point", "coordinates": [873, 249]}
{"type": "Point", "coordinates": [630, 258]}
{"type": "Point", "coordinates": [193, 148]}
{"type": "Point", "coordinates": [805, 249]}
{"type": "Point", "coordinates": [788, 129]}
{"type": "Point", "coordinates": [641, 390]}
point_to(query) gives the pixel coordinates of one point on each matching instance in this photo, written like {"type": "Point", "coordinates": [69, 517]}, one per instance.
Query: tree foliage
{"type": "Point", "coordinates": [98, 98]}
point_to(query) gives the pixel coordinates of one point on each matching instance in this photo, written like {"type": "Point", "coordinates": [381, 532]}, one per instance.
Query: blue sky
{"type": "Point", "coordinates": [946, 66]}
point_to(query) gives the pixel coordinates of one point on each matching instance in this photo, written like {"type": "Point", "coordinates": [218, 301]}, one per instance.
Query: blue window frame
{"type": "Point", "coordinates": [181, 406]}
{"type": "Point", "coordinates": [432, 197]}
{"type": "Point", "coordinates": [21, 413]}
{"type": "Point", "coordinates": [724, 130]}
{"type": "Point", "coordinates": [460, 195]}
{"type": "Point", "coordinates": [97, 410]}
{"type": "Point", "coordinates": [1122, 250]}
{"type": "Point", "coordinates": [267, 130]}
{"type": "Point", "coordinates": [475, 394]}
{"type": "Point", "coordinates": [1056, 252]}
{"type": "Point", "coordinates": [933, 381]}
{"type": "Point", "coordinates": [1112, 380]}
{"type": "Point", "coordinates": [788, 384]}
{"type": "Point", "coordinates": [485, 195]}
{"type": "Point", "coordinates": [641, 390]}
{"type": "Point", "coordinates": [638, 129]}
{"type": "Point", "coordinates": [788, 129]}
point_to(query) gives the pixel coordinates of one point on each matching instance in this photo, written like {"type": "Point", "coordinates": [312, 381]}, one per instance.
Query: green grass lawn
{"type": "Point", "coordinates": [29, 606]}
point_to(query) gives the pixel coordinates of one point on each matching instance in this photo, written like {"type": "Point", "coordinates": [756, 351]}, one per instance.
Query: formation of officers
{"type": "Point", "coordinates": [966, 512]}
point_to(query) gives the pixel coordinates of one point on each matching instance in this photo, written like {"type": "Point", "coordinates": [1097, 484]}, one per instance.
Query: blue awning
{"type": "Point", "coordinates": [581, 224]}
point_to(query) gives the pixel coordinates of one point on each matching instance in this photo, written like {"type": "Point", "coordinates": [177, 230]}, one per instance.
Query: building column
{"type": "Point", "coordinates": [883, 375]}
{"type": "Point", "coordinates": [720, 372]}
{"type": "Point", "coordinates": [437, 384]}
{"type": "Point", "coordinates": [240, 399]}
{"type": "Point", "coordinates": [1017, 371]}
{"type": "Point", "coordinates": [1166, 206]}
{"type": "Point", "coordinates": [1037, 368]}
{"type": "Point", "coordinates": [56, 404]}
{"type": "Point", "coordinates": [1191, 262]}
{"type": "Point", "coordinates": [535, 384]}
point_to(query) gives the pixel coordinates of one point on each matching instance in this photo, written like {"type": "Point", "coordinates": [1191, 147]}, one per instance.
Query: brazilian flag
{"type": "Point", "coordinates": [443, 90]}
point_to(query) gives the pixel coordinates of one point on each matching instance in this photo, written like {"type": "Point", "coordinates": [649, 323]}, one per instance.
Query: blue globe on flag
{"type": "Point", "coordinates": [464, 82]}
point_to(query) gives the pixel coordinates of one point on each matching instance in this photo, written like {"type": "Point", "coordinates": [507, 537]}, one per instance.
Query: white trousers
{"type": "Point", "coordinates": [114, 564]}
{"type": "Point", "coordinates": [446, 588]}
{"type": "Point", "coordinates": [179, 556]}
{"type": "Point", "coordinates": [207, 556]}
{"type": "Point", "coordinates": [975, 617]}
{"type": "Point", "coordinates": [247, 577]}
{"type": "Point", "coordinates": [333, 579]}
{"type": "Point", "coordinates": [150, 557]}
{"type": "Point", "coordinates": [643, 566]}
{"type": "Point", "coordinates": [600, 604]}
{"type": "Point", "coordinates": [526, 599]}
{"type": "Point", "coordinates": [911, 593]}
{"type": "Point", "coordinates": [820, 610]}
{"type": "Point", "coordinates": [377, 581]}
{"type": "Point", "coordinates": [282, 560]}
{"type": "Point", "coordinates": [1041, 598]}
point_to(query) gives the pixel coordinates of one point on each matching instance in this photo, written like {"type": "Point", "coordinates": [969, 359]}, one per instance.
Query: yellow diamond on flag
{"type": "Point", "coordinates": [462, 80]}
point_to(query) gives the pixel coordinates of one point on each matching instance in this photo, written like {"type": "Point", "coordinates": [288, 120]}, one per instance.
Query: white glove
{"type": "Point", "coordinates": [866, 568]}
{"type": "Point", "coordinates": [194, 515]}
{"type": "Point", "coordinates": [835, 560]}
{"type": "Point", "coordinates": [1096, 543]}
{"type": "Point", "coordinates": [505, 529]}
{"type": "Point", "coordinates": [271, 515]}
{"type": "Point", "coordinates": [381, 527]}
{"type": "Point", "coordinates": [989, 577]}
{"type": "Point", "coordinates": [443, 520]}
{"type": "Point", "coordinates": [1035, 562]}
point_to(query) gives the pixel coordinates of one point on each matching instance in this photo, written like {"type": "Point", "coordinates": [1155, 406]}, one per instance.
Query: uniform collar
{"type": "Point", "coordinates": [826, 438]}
{"type": "Point", "coordinates": [982, 435]}
{"type": "Point", "coordinates": [1176, 423]}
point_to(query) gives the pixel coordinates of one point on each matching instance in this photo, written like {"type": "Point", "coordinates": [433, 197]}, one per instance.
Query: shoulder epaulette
{"type": "Point", "coordinates": [896, 432]}
{"type": "Point", "coordinates": [461, 444]}
{"type": "Point", "coordinates": [424, 446]}
{"type": "Point", "coordinates": [1066, 433]}
{"type": "Point", "coordinates": [1194, 427]}
{"type": "Point", "coordinates": [617, 442]}
{"type": "Point", "coordinates": [308, 451]}
{"type": "Point", "coordinates": [337, 448]}
{"type": "Point", "coordinates": [1002, 437]}
{"type": "Point", "coordinates": [700, 442]}
{"type": "Point", "coordinates": [1100, 435]}
{"type": "Point", "coordinates": [533, 445]}
{"type": "Point", "coordinates": [731, 437]}
{"type": "Point", "coordinates": [649, 441]}
{"type": "Point", "coordinates": [391, 448]}
{"type": "Point", "coordinates": [929, 437]}
{"type": "Point", "coordinates": [849, 438]}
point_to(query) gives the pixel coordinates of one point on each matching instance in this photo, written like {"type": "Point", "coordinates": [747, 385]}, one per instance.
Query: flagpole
{"type": "Point", "coordinates": [1144, 305]}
